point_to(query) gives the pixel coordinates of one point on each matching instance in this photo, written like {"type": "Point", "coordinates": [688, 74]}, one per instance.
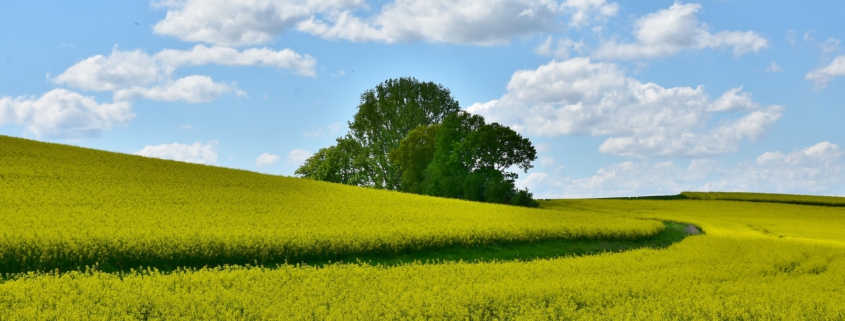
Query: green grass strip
{"type": "Point", "coordinates": [525, 251]}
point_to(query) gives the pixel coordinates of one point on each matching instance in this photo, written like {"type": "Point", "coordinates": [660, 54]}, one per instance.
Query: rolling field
{"type": "Point", "coordinates": [64, 208]}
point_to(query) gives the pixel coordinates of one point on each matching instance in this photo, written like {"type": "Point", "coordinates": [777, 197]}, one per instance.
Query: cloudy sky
{"type": "Point", "coordinates": [620, 98]}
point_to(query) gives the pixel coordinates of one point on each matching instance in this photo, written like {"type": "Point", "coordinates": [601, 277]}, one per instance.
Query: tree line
{"type": "Point", "coordinates": [412, 136]}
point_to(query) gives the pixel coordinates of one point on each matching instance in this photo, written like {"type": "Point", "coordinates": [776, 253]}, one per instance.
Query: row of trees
{"type": "Point", "coordinates": [412, 136]}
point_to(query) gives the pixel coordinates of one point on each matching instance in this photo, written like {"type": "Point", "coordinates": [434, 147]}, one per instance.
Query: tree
{"type": "Point", "coordinates": [446, 174]}
{"type": "Point", "coordinates": [497, 147]}
{"type": "Point", "coordinates": [471, 159]}
{"type": "Point", "coordinates": [385, 116]}
{"type": "Point", "coordinates": [338, 164]}
{"type": "Point", "coordinates": [413, 137]}
{"type": "Point", "coordinates": [412, 157]}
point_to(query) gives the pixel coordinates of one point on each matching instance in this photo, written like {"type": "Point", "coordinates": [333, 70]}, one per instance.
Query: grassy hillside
{"type": "Point", "coordinates": [763, 197]}
{"type": "Point", "coordinates": [757, 260]}
{"type": "Point", "coordinates": [66, 207]}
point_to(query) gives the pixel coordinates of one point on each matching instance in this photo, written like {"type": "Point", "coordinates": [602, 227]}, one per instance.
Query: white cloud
{"type": "Point", "coordinates": [562, 48]}
{"type": "Point", "coordinates": [623, 179]}
{"type": "Point", "coordinates": [582, 11]}
{"type": "Point", "coordinates": [825, 75]}
{"type": "Point", "coordinates": [579, 97]}
{"type": "Point", "coordinates": [830, 46]}
{"type": "Point", "coordinates": [298, 156]}
{"type": "Point", "coordinates": [197, 153]}
{"type": "Point", "coordinates": [202, 55]}
{"type": "Point", "coordinates": [734, 100]}
{"type": "Point", "coordinates": [482, 22]}
{"type": "Point", "coordinates": [546, 161]}
{"type": "Point", "coordinates": [61, 113]}
{"type": "Point", "coordinates": [815, 169]}
{"type": "Point", "coordinates": [479, 22]}
{"type": "Point", "coordinates": [238, 23]}
{"type": "Point", "coordinates": [677, 28]}
{"type": "Point", "coordinates": [121, 69]}
{"type": "Point", "coordinates": [266, 159]}
{"type": "Point", "coordinates": [130, 73]}
{"type": "Point", "coordinates": [192, 89]}
{"type": "Point", "coordinates": [774, 68]}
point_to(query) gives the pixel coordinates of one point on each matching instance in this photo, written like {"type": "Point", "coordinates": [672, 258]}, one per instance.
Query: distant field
{"type": "Point", "coordinates": [762, 197]}
{"type": "Point", "coordinates": [756, 260]}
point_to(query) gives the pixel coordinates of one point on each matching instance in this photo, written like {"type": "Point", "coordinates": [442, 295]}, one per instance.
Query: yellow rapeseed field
{"type": "Point", "coordinates": [756, 261]}
{"type": "Point", "coordinates": [66, 207]}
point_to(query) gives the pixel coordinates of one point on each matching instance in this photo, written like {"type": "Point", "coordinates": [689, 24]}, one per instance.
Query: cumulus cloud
{"type": "Point", "coordinates": [196, 153]}
{"type": "Point", "coordinates": [238, 23]}
{"type": "Point", "coordinates": [579, 97]}
{"type": "Point", "coordinates": [202, 55]}
{"type": "Point", "coordinates": [266, 159]}
{"type": "Point", "coordinates": [192, 89]}
{"type": "Point", "coordinates": [815, 169]}
{"type": "Point", "coordinates": [823, 76]}
{"type": "Point", "coordinates": [479, 22]}
{"type": "Point", "coordinates": [130, 74]}
{"type": "Point", "coordinates": [560, 50]}
{"type": "Point", "coordinates": [733, 99]}
{"type": "Point", "coordinates": [622, 179]}
{"type": "Point", "coordinates": [121, 69]}
{"type": "Point", "coordinates": [298, 156]}
{"type": "Point", "coordinates": [582, 11]}
{"type": "Point", "coordinates": [482, 22]}
{"type": "Point", "coordinates": [674, 29]}
{"type": "Point", "coordinates": [61, 113]}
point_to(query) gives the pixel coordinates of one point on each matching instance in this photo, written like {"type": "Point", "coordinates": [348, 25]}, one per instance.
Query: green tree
{"type": "Point", "coordinates": [415, 153]}
{"type": "Point", "coordinates": [385, 116]}
{"type": "Point", "coordinates": [497, 147]}
{"type": "Point", "coordinates": [471, 159]}
{"type": "Point", "coordinates": [338, 164]}
{"type": "Point", "coordinates": [446, 174]}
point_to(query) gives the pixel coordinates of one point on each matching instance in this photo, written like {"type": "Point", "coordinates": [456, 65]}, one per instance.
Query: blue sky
{"type": "Point", "coordinates": [620, 98]}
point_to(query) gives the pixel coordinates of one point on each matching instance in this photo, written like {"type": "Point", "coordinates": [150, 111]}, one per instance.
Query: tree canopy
{"type": "Point", "coordinates": [413, 137]}
{"type": "Point", "coordinates": [387, 113]}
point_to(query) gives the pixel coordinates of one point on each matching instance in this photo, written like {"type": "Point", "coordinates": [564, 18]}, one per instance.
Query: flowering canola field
{"type": "Point", "coordinates": [66, 207]}
{"type": "Point", "coordinates": [756, 260]}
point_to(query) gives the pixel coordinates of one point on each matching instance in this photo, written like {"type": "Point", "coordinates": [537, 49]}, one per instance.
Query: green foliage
{"type": "Point", "coordinates": [524, 198]}
{"type": "Point", "coordinates": [470, 160]}
{"type": "Point", "coordinates": [340, 163]}
{"type": "Point", "coordinates": [413, 155]}
{"type": "Point", "coordinates": [497, 147]}
{"type": "Point", "coordinates": [446, 174]}
{"type": "Point", "coordinates": [412, 137]}
{"type": "Point", "coordinates": [385, 116]}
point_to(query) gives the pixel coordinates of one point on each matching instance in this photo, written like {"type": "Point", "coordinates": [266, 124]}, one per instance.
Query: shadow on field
{"type": "Point", "coordinates": [673, 233]}
{"type": "Point", "coordinates": [524, 251]}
